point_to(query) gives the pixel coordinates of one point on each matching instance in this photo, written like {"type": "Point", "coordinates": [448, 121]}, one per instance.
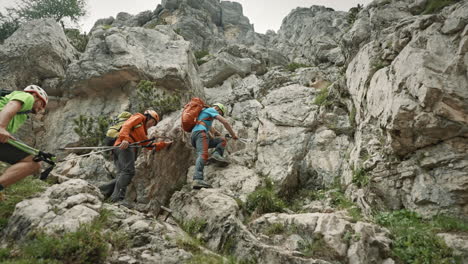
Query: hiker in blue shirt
{"type": "Point", "coordinates": [202, 141]}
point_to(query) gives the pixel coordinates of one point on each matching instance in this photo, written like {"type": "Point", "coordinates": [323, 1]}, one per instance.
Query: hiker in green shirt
{"type": "Point", "coordinates": [14, 109]}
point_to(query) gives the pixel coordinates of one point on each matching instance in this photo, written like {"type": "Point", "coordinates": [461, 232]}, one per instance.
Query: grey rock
{"type": "Point", "coordinates": [37, 51]}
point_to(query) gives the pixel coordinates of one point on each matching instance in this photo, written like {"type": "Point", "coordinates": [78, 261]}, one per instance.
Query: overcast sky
{"type": "Point", "coordinates": [264, 14]}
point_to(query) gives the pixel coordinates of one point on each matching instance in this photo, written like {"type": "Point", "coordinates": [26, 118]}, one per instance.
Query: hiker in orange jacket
{"type": "Point", "coordinates": [135, 129]}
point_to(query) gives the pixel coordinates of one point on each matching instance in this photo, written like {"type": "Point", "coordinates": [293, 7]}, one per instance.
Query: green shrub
{"type": "Point", "coordinates": [434, 6]}
{"type": "Point", "coordinates": [91, 130]}
{"type": "Point", "coordinates": [360, 178]}
{"type": "Point", "coordinates": [87, 245]}
{"type": "Point", "coordinates": [77, 39]}
{"type": "Point", "coordinates": [274, 229]}
{"type": "Point", "coordinates": [194, 226]}
{"type": "Point", "coordinates": [199, 55]}
{"type": "Point", "coordinates": [202, 258]}
{"type": "Point", "coordinates": [264, 200]}
{"type": "Point", "coordinates": [16, 193]}
{"type": "Point", "coordinates": [322, 97]}
{"type": "Point", "coordinates": [445, 223]}
{"type": "Point", "coordinates": [316, 247]}
{"type": "Point", "coordinates": [189, 244]}
{"type": "Point", "coordinates": [8, 26]}
{"type": "Point", "coordinates": [353, 13]}
{"type": "Point", "coordinates": [294, 66]}
{"type": "Point", "coordinates": [414, 238]}
{"type": "Point", "coordinates": [150, 97]}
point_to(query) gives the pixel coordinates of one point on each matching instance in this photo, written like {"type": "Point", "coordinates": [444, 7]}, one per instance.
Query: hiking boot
{"type": "Point", "coordinates": [107, 189]}
{"type": "Point", "coordinates": [126, 203]}
{"type": "Point", "coordinates": [198, 184]}
{"type": "Point", "coordinates": [117, 196]}
{"type": "Point", "coordinates": [218, 157]}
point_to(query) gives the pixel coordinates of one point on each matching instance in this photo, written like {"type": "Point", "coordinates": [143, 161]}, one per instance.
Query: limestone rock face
{"type": "Point", "coordinates": [410, 98]}
{"type": "Point", "coordinates": [61, 208]}
{"type": "Point", "coordinates": [374, 118]}
{"type": "Point", "coordinates": [38, 51]}
{"type": "Point", "coordinates": [208, 25]}
{"type": "Point", "coordinates": [312, 36]}
{"type": "Point", "coordinates": [116, 56]}
{"type": "Point", "coordinates": [367, 242]}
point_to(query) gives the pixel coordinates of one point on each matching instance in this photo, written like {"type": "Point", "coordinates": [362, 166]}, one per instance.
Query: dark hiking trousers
{"type": "Point", "coordinates": [124, 161]}
{"type": "Point", "coordinates": [201, 141]}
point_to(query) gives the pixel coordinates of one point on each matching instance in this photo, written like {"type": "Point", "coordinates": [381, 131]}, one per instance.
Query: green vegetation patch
{"type": "Point", "coordinates": [87, 245]}
{"type": "Point", "coordinates": [415, 239]}
{"type": "Point", "coordinates": [16, 193]}
{"type": "Point", "coordinates": [360, 178]}
{"type": "Point", "coordinates": [149, 96]}
{"type": "Point", "coordinates": [316, 247]}
{"type": "Point", "coordinates": [434, 6]}
{"type": "Point", "coordinates": [322, 97]}
{"type": "Point", "coordinates": [77, 39]}
{"type": "Point", "coordinates": [294, 66]}
{"type": "Point", "coordinates": [194, 226]}
{"type": "Point", "coordinates": [264, 200]}
{"type": "Point", "coordinates": [275, 229]}
{"type": "Point", "coordinates": [199, 55]}
{"type": "Point", "coordinates": [353, 13]}
{"type": "Point", "coordinates": [91, 130]}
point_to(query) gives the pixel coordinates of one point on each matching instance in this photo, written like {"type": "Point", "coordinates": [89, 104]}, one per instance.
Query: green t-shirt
{"type": "Point", "coordinates": [28, 101]}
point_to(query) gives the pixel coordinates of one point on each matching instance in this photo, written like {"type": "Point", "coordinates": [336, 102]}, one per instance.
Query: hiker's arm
{"type": "Point", "coordinates": [227, 126]}
{"type": "Point", "coordinates": [161, 145]}
{"type": "Point", "coordinates": [8, 112]}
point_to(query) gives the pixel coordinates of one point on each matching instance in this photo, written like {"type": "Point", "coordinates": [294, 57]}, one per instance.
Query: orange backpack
{"type": "Point", "coordinates": [190, 113]}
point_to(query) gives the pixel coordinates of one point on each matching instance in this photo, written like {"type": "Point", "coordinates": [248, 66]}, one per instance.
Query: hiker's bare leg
{"type": "Point", "coordinates": [19, 171]}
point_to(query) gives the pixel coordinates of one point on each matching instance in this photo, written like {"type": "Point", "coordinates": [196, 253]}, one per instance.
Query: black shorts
{"type": "Point", "coordinates": [11, 154]}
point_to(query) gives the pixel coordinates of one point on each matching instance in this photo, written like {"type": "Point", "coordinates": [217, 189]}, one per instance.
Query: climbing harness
{"type": "Point", "coordinates": [39, 155]}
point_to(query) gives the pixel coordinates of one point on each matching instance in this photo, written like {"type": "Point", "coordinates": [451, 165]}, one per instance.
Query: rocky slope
{"type": "Point", "coordinates": [375, 119]}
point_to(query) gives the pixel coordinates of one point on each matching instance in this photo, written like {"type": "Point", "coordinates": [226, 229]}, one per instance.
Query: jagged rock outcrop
{"type": "Point", "coordinates": [379, 117]}
{"type": "Point", "coordinates": [413, 93]}
{"type": "Point", "coordinates": [61, 208]}
{"type": "Point", "coordinates": [208, 25]}
{"type": "Point", "coordinates": [116, 56]}
{"type": "Point", "coordinates": [312, 36]}
{"type": "Point", "coordinates": [36, 53]}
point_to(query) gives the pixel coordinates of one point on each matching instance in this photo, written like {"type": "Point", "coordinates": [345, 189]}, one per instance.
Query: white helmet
{"type": "Point", "coordinates": [39, 92]}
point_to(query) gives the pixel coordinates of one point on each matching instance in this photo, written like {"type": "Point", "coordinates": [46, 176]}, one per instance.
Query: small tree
{"type": "Point", "coordinates": [8, 25]}
{"type": "Point", "coordinates": [56, 9]}
{"type": "Point", "coordinates": [35, 9]}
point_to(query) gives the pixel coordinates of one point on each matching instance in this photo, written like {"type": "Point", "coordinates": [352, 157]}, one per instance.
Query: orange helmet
{"type": "Point", "coordinates": [39, 92]}
{"type": "Point", "coordinates": [153, 114]}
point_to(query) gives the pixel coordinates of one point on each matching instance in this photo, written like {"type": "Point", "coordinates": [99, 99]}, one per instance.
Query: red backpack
{"type": "Point", "coordinates": [190, 113]}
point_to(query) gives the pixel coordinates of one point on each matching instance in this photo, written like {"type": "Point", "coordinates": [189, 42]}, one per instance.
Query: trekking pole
{"type": "Point", "coordinates": [104, 149]}
{"type": "Point", "coordinates": [38, 156]}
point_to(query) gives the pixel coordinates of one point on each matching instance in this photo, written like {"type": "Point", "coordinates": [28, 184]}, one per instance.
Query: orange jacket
{"type": "Point", "coordinates": [134, 130]}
